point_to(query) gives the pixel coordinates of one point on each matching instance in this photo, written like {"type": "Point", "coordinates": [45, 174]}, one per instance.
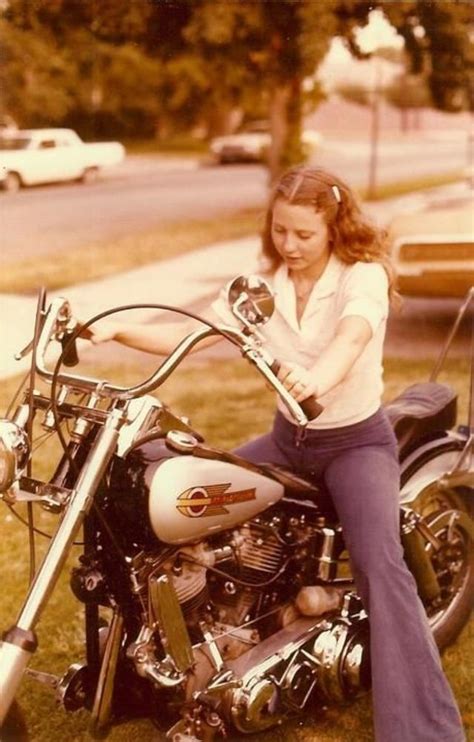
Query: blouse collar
{"type": "Point", "coordinates": [326, 285]}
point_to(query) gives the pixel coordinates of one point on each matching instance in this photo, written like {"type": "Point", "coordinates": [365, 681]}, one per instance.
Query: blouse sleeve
{"type": "Point", "coordinates": [365, 294]}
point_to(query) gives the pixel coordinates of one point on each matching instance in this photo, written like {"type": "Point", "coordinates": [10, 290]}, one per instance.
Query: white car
{"type": "Point", "coordinates": [32, 156]}
{"type": "Point", "coordinates": [251, 144]}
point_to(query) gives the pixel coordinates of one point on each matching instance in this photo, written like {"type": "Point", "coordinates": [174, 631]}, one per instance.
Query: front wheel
{"type": "Point", "coordinates": [14, 728]}
{"type": "Point", "coordinates": [453, 562]}
{"type": "Point", "coordinates": [11, 182]}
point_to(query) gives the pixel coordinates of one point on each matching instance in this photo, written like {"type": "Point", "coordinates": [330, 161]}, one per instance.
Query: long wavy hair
{"type": "Point", "coordinates": [352, 237]}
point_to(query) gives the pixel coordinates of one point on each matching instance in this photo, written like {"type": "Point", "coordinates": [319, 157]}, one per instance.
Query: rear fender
{"type": "Point", "coordinates": [428, 464]}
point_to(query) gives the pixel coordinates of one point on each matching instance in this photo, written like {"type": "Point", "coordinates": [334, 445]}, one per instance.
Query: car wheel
{"type": "Point", "coordinates": [11, 183]}
{"type": "Point", "coordinates": [90, 175]}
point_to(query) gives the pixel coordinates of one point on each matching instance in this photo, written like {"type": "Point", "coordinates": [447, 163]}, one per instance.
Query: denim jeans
{"type": "Point", "coordinates": [358, 463]}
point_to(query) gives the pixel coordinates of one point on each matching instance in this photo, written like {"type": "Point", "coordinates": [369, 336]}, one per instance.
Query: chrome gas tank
{"type": "Point", "coordinates": [191, 498]}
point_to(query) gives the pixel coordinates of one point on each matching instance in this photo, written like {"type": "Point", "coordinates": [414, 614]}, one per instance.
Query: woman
{"type": "Point", "coordinates": [332, 279]}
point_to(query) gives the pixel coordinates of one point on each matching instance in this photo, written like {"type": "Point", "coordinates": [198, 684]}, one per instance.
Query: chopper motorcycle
{"type": "Point", "coordinates": [217, 592]}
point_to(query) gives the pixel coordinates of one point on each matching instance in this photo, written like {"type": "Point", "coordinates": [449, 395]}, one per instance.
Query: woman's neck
{"type": "Point", "coordinates": [308, 276]}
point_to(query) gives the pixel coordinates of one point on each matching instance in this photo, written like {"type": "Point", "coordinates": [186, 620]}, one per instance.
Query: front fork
{"type": "Point", "coordinates": [19, 642]}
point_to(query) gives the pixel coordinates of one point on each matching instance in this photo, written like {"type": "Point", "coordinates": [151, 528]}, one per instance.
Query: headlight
{"type": "Point", "coordinates": [14, 453]}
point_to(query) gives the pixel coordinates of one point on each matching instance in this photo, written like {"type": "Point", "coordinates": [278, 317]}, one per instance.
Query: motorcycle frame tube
{"type": "Point", "coordinates": [13, 659]}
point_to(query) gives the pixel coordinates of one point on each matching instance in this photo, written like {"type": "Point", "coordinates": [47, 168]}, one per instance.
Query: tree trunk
{"type": "Point", "coordinates": [278, 114]}
{"type": "Point", "coordinates": [223, 119]}
{"type": "Point", "coordinates": [285, 127]}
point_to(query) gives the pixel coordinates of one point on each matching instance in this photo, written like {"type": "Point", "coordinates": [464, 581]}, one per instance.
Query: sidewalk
{"type": "Point", "coordinates": [183, 281]}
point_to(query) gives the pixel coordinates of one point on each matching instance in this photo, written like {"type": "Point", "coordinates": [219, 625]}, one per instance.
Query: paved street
{"type": "Point", "coordinates": [145, 191]}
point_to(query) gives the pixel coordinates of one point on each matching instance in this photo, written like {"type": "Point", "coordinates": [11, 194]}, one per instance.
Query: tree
{"type": "Point", "coordinates": [257, 55]}
{"type": "Point", "coordinates": [354, 93]}
{"type": "Point", "coordinates": [65, 63]}
{"type": "Point", "coordinates": [35, 78]}
{"type": "Point", "coordinates": [408, 92]}
{"type": "Point", "coordinates": [201, 58]}
{"type": "Point", "coordinates": [439, 41]}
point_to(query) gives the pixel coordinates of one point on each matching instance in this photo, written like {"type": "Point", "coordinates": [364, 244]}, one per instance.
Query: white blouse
{"type": "Point", "coordinates": [361, 290]}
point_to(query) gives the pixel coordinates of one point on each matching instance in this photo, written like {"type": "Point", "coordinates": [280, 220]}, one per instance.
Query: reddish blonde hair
{"type": "Point", "coordinates": [351, 235]}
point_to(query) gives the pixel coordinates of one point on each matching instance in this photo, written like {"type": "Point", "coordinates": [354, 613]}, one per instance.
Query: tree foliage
{"type": "Point", "coordinates": [155, 65]}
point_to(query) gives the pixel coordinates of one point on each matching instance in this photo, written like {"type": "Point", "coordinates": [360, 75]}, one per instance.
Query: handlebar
{"type": "Point", "coordinates": [58, 325]}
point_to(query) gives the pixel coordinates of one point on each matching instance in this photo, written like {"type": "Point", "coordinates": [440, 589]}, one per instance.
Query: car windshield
{"type": "Point", "coordinates": [14, 142]}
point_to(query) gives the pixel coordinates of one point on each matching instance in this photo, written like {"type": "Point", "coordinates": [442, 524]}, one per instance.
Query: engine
{"type": "Point", "coordinates": [228, 579]}
{"type": "Point", "coordinates": [259, 615]}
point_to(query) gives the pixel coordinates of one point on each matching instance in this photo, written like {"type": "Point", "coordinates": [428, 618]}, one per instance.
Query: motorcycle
{"type": "Point", "coordinates": [217, 593]}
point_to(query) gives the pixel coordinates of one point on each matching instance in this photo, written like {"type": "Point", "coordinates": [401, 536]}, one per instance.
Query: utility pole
{"type": "Point", "coordinates": [374, 131]}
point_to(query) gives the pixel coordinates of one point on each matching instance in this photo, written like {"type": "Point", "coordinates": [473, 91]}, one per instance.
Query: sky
{"type": "Point", "coordinates": [377, 33]}
{"type": "Point", "coordinates": [340, 65]}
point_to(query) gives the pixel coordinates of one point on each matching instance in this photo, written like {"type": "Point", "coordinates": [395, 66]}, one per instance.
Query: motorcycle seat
{"type": "Point", "coordinates": [421, 410]}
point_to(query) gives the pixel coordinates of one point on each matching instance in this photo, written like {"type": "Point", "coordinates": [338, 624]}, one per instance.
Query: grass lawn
{"type": "Point", "coordinates": [109, 257]}
{"type": "Point", "coordinates": [101, 259]}
{"type": "Point", "coordinates": [220, 398]}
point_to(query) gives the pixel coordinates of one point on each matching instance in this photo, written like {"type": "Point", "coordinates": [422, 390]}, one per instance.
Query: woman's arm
{"type": "Point", "coordinates": [352, 335]}
{"type": "Point", "coordinates": [156, 338]}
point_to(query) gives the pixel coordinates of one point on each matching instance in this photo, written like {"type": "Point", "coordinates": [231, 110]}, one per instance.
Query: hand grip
{"type": "Point", "coordinates": [310, 406]}
{"type": "Point", "coordinates": [70, 356]}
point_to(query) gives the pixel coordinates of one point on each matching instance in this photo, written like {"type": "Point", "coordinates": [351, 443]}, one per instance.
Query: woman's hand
{"type": "Point", "coordinates": [297, 380]}
{"type": "Point", "coordinates": [100, 333]}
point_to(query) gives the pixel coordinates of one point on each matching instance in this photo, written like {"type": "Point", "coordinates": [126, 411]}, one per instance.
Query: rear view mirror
{"type": "Point", "coordinates": [251, 300]}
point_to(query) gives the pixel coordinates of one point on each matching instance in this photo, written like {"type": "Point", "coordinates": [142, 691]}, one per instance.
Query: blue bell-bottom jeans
{"type": "Point", "coordinates": [358, 463]}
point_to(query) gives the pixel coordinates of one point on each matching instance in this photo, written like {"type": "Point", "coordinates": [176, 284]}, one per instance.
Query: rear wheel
{"type": "Point", "coordinates": [90, 175]}
{"type": "Point", "coordinates": [11, 182]}
{"type": "Point", "coordinates": [453, 562]}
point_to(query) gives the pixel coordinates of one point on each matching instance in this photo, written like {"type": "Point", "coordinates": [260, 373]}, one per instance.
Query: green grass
{"type": "Point", "coordinates": [98, 260]}
{"type": "Point", "coordinates": [410, 185]}
{"type": "Point", "coordinates": [220, 397]}
{"type": "Point", "coordinates": [57, 270]}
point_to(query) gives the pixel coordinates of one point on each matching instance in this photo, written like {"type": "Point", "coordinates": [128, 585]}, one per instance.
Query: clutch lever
{"type": "Point", "coordinates": [67, 327]}
{"type": "Point", "coordinates": [24, 352]}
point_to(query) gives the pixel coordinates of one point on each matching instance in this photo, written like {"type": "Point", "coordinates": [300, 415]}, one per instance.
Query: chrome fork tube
{"type": "Point", "coordinates": [19, 642]}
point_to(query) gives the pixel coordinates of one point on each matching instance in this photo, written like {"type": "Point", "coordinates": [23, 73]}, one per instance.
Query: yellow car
{"type": "Point", "coordinates": [433, 248]}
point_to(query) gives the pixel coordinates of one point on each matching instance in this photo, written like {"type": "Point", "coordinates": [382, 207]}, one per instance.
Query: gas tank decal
{"type": "Point", "coordinates": [191, 498]}
{"type": "Point", "coordinates": [207, 500]}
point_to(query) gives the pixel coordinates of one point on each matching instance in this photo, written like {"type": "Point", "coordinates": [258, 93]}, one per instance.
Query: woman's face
{"type": "Point", "coordinates": [301, 237]}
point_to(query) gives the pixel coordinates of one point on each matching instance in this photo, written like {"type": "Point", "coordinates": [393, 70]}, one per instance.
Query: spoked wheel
{"type": "Point", "coordinates": [14, 727]}
{"type": "Point", "coordinates": [453, 561]}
